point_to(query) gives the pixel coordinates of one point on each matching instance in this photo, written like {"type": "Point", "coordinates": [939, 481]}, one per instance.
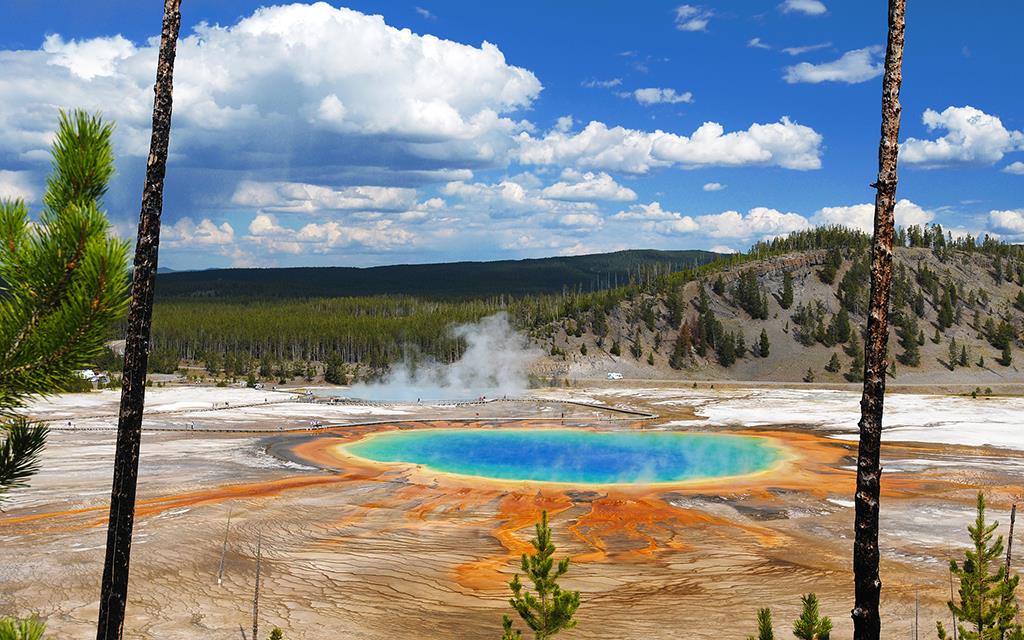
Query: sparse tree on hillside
{"type": "Point", "coordinates": [907, 334]}
{"type": "Point", "coordinates": [636, 347]}
{"type": "Point", "coordinates": [841, 326]}
{"type": "Point", "coordinates": [725, 349]}
{"type": "Point", "coordinates": [1006, 357]}
{"type": "Point", "coordinates": [833, 261]}
{"type": "Point", "coordinates": [786, 300]}
{"type": "Point", "coordinates": [954, 353]}
{"type": "Point", "coordinates": [763, 346]}
{"type": "Point", "coordinates": [675, 306]}
{"type": "Point", "coordinates": [867, 583]}
{"type": "Point", "coordinates": [1018, 302]}
{"type": "Point", "coordinates": [833, 365]}
{"type": "Point", "coordinates": [919, 305]}
{"type": "Point", "coordinates": [114, 586]}
{"type": "Point", "coordinates": [946, 314]}
{"type": "Point", "coordinates": [749, 296]}
{"type": "Point", "coordinates": [856, 371]}
{"type": "Point", "coordinates": [681, 348]}
{"type": "Point", "coordinates": [62, 284]}
{"type": "Point", "coordinates": [963, 356]}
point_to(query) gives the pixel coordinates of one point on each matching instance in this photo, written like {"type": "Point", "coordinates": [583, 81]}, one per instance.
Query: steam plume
{"type": "Point", "coordinates": [495, 363]}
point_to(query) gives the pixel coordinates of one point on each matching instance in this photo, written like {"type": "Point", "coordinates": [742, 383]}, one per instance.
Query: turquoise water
{"type": "Point", "coordinates": [572, 455]}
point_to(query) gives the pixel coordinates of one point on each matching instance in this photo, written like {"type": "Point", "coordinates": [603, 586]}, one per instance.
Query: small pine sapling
{"type": "Point", "coordinates": [811, 625]}
{"type": "Point", "coordinates": [988, 602]}
{"type": "Point", "coordinates": [551, 610]}
{"type": "Point", "coordinates": [764, 625]}
{"type": "Point", "coordinates": [15, 629]}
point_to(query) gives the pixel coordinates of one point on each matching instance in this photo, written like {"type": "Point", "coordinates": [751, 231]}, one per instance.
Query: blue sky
{"type": "Point", "coordinates": [376, 133]}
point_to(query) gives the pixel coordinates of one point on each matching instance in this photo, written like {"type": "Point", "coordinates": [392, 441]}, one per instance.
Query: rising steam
{"type": "Point", "coordinates": [495, 364]}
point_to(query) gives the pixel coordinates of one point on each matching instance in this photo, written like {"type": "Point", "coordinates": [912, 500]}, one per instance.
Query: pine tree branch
{"type": "Point", "coordinates": [20, 448]}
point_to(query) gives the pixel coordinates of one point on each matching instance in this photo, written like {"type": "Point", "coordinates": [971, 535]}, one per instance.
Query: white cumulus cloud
{"type": "Point", "coordinates": [324, 237]}
{"type": "Point", "coordinates": [17, 185]}
{"type": "Point", "coordinates": [88, 58]}
{"type": "Point", "coordinates": [657, 219]}
{"type": "Point", "coordinates": [1015, 168]}
{"type": "Point", "coordinates": [655, 95]}
{"type": "Point", "coordinates": [601, 84]}
{"type": "Point", "coordinates": [576, 185]}
{"type": "Point", "coordinates": [282, 85]}
{"type": "Point", "coordinates": [578, 220]}
{"type": "Point", "coordinates": [862, 216]}
{"type": "Point", "coordinates": [973, 136]}
{"type": "Point", "coordinates": [1009, 222]}
{"type": "Point", "coordinates": [714, 186]}
{"type": "Point", "coordinates": [296, 197]}
{"type": "Point", "coordinates": [186, 233]}
{"type": "Point", "coordinates": [692, 18]}
{"type": "Point", "coordinates": [859, 65]}
{"type": "Point", "coordinates": [598, 146]}
{"type": "Point", "coordinates": [796, 51]}
{"type": "Point", "coordinates": [758, 222]}
{"type": "Point", "coordinates": [807, 7]}
{"type": "Point", "coordinates": [518, 197]}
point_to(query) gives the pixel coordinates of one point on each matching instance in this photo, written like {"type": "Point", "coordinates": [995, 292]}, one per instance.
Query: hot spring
{"type": "Point", "coordinates": [573, 456]}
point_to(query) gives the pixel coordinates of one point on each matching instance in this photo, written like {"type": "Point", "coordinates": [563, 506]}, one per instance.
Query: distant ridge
{"type": "Point", "coordinates": [439, 280]}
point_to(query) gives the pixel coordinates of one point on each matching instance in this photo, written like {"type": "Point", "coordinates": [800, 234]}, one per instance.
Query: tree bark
{"type": "Point", "coordinates": [867, 584]}
{"type": "Point", "coordinates": [256, 591]}
{"type": "Point", "coordinates": [1009, 539]}
{"type": "Point", "coordinates": [114, 588]}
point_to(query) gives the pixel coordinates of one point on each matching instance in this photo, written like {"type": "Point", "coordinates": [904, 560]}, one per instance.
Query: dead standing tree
{"type": "Point", "coordinates": [114, 588]}
{"type": "Point", "coordinates": [867, 584]}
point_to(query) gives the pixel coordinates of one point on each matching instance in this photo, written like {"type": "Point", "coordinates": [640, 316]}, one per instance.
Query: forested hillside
{"type": "Point", "coordinates": [794, 309]}
{"type": "Point", "coordinates": [462, 280]}
{"type": "Point", "coordinates": [788, 310]}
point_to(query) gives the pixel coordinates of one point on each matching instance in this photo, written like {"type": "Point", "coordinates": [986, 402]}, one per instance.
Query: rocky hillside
{"type": "Point", "coordinates": [957, 316]}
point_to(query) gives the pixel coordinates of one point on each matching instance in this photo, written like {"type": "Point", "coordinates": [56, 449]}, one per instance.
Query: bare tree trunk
{"type": "Point", "coordinates": [224, 551]}
{"type": "Point", "coordinates": [951, 598]}
{"type": "Point", "coordinates": [114, 589]}
{"type": "Point", "coordinates": [256, 592]}
{"type": "Point", "coordinates": [867, 585]}
{"type": "Point", "coordinates": [1009, 539]}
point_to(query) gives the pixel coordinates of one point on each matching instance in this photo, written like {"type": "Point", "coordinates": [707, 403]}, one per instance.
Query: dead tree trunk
{"type": "Point", "coordinates": [256, 591]}
{"type": "Point", "coordinates": [867, 585]}
{"type": "Point", "coordinates": [114, 588]}
{"type": "Point", "coordinates": [1009, 539]}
